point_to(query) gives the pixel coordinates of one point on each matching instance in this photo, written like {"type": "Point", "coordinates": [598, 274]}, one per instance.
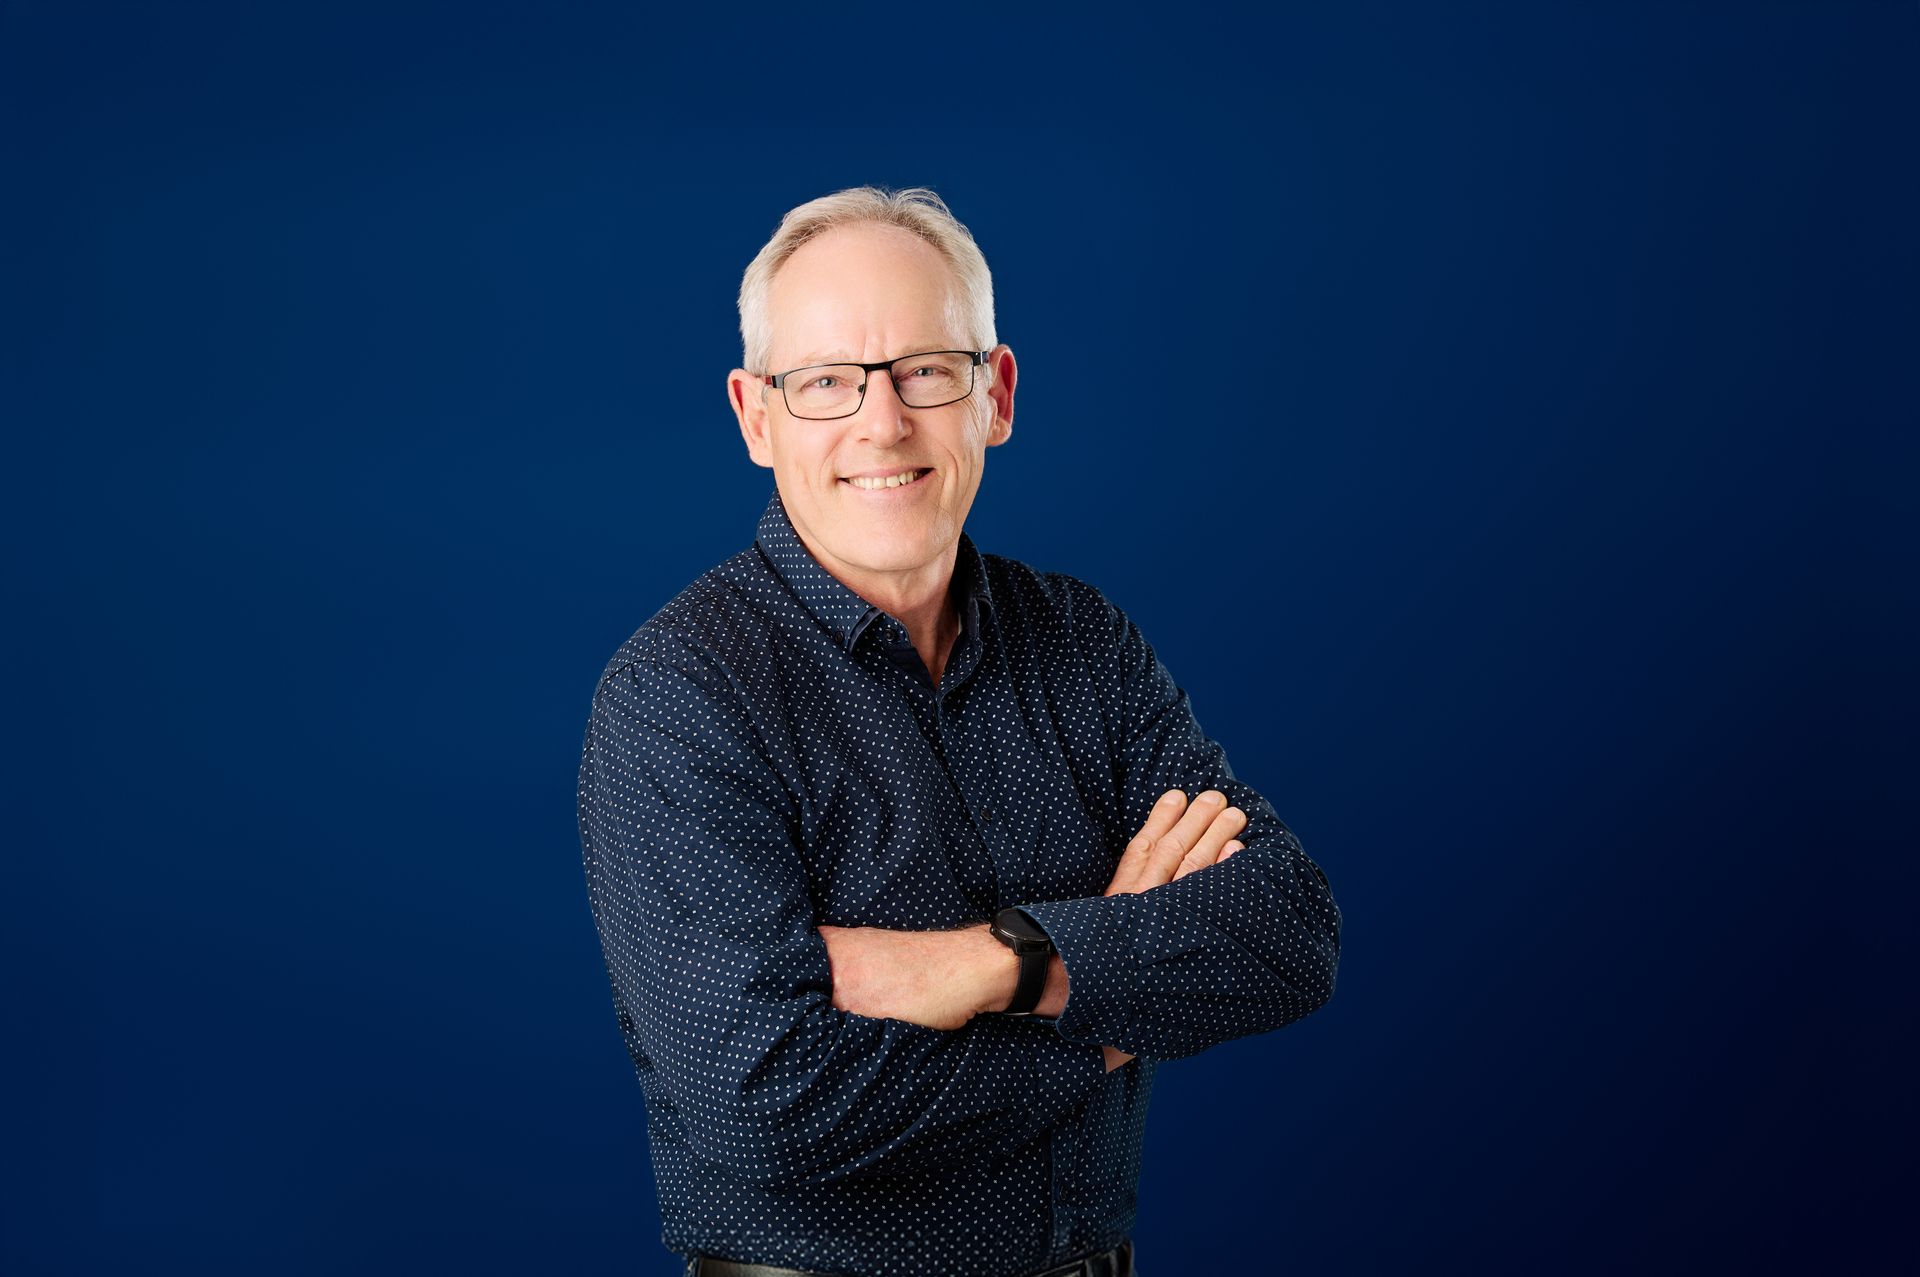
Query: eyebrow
{"type": "Point", "coordinates": [837, 357]}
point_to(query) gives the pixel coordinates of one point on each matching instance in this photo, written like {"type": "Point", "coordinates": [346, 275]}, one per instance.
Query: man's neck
{"type": "Point", "coordinates": [926, 606]}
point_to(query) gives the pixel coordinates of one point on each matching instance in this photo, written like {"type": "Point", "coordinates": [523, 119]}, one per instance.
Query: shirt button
{"type": "Point", "coordinates": [985, 814]}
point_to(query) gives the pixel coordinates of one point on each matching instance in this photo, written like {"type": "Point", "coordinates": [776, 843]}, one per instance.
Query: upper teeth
{"type": "Point", "coordinates": [885, 480]}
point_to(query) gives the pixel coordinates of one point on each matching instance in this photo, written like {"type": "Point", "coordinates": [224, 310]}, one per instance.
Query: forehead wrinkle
{"type": "Point", "coordinates": [840, 356]}
{"type": "Point", "coordinates": [843, 323]}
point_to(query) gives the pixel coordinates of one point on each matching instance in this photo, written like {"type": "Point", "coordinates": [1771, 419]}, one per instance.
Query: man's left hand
{"type": "Point", "coordinates": [940, 979]}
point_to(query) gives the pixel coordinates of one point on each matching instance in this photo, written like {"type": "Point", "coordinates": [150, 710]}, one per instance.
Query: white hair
{"type": "Point", "coordinates": [916, 209]}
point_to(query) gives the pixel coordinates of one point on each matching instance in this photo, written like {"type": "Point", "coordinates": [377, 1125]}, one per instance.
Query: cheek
{"type": "Point", "coordinates": [802, 457]}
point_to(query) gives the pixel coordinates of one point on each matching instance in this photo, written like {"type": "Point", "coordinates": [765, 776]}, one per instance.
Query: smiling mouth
{"type": "Point", "coordinates": [906, 479]}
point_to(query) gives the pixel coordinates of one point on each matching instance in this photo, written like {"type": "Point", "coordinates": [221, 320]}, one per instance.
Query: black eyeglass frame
{"type": "Point", "coordinates": [779, 379]}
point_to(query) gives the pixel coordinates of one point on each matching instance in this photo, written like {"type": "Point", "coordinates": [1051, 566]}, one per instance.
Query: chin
{"type": "Point", "coordinates": [888, 557]}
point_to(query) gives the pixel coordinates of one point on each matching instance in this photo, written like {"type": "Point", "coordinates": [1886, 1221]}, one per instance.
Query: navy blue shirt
{"type": "Point", "coordinates": [768, 754]}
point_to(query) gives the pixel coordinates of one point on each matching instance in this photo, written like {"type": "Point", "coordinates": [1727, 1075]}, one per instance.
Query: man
{"type": "Point", "coordinates": [889, 842]}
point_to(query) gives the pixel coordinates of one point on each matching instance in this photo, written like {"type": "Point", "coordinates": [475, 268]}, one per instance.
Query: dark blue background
{"type": "Point", "coordinates": [1513, 408]}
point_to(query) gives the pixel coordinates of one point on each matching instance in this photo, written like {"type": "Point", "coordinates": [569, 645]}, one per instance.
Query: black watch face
{"type": "Point", "coordinates": [1015, 923]}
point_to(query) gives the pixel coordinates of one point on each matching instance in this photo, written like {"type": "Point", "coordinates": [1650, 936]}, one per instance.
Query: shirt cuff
{"type": "Point", "coordinates": [1095, 945]}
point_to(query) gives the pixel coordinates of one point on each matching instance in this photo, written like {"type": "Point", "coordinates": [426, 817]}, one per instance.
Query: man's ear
{"type": "Point", "coordinates": [744, 394]}
{"type": "Point", "coordinates": [1000, 393]}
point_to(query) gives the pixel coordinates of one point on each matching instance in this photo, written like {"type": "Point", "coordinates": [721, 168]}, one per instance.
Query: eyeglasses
{"type": "Point", "coordinates": [824, 392]}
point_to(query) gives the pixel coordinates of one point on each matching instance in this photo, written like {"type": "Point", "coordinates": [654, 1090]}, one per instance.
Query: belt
{"type": "Point", "coordinates": [1117, 1262]}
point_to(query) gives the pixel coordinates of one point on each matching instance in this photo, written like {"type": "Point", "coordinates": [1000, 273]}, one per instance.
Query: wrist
{"type": "Point", "coordinates": [1053, 998]}
{"type": "Point", "coordinates": [1034, 957]}
{"type": "Point", "coordinates": [995, 970]}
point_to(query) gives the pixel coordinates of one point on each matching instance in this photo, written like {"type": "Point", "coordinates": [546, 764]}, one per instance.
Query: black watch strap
{"type": "Point", "coordinates": [1023, 935]}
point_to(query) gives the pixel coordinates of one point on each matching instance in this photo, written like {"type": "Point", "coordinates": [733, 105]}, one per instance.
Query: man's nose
{"type": "Point", "coordinates": [881, 410]}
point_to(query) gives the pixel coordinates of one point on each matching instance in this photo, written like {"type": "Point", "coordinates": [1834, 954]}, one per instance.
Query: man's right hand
{"type": "Point", "coordinates": [1176, 840]}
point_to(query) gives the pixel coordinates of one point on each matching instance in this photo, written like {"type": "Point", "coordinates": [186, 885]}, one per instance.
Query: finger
{"type": "Point", "coordinates": [1134, 860]}
{"type": "Point", "coordinates": [1173, 847]}
{"type": "Point", "coordinates": [1214, 845]}
{"type": "Point", "coordinates": [1166, 812]}
{"type": "Point", "coordinates": [1207, 849]}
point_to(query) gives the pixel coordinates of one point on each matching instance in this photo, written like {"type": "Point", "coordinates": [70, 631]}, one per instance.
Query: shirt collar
{"type": "Point", "coordinates": [845, 614]}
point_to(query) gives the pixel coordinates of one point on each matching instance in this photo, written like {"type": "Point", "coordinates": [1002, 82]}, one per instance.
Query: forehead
{"type": "Point", "coordinates": [856, 290]}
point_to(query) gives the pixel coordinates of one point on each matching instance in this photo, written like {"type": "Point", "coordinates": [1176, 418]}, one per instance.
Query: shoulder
{"type": "Point", "coordinates": [711, 627]}
{"type": "Point", "coordinates": [1033, 604]}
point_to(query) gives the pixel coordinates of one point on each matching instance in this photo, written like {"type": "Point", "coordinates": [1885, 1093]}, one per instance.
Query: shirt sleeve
{"type": "Point", "coordinates": [1239, 947]}
{"type": "Point", "coordinates": [720, 978]}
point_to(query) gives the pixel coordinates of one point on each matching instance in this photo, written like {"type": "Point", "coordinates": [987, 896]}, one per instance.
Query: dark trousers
{"type": "Point", "coordinates": [1116, 1263]}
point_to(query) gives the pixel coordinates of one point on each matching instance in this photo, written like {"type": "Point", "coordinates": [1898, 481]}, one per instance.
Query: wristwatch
{"type": "Point", "coordinates": [1023, 935]}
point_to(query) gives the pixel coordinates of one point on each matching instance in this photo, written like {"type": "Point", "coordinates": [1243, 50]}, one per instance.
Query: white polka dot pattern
{"type": "Point", "coordinates": [768, 754]}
